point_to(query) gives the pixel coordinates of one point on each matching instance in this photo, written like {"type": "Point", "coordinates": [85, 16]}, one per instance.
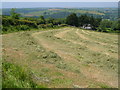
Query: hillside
{"type": "Point", "coordinates": [105, 13]}
{"type": "Point", "coordinates": [64, 58]}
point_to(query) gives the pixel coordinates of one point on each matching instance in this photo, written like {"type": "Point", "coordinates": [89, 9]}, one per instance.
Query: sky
{"type": "Point", "coordinates": [60, 0]}
{"type": "Point", "coordinates": [58, 4]}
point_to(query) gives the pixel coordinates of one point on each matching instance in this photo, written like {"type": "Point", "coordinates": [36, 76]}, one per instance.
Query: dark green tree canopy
{"type": "Point", "coordinates": [41, 20]}
{"type": "Point", "coordinates": [14, 15]}
{"type": "Point", "coordinates": [72, 19]}
{"type": "Point", "coordinates": [83, 19]}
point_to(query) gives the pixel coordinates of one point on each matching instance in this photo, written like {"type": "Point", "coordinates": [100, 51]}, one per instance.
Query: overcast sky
{"type": "Point", "coordinates": [60, 0]}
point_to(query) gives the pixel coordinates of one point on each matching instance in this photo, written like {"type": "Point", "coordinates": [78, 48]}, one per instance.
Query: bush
{"type": "Point", "coordinates": [11, 25]}
{"type": "Point", "coordinates": [49, 25]}
{"type": "Point", "coordinates": [4, 29]}
{"type": "Point", "coordinates": [15, 28]}
{"type": "Point", "coordinates": [63, 25]}
{"type": "Point", "coordinates": [9, 29]}
{"type": "Point", "coordinates": [23, 27]}
{"type": "Point", "coordinates": [72, 20]}
{"type": "Point", "coordinates": [45, 25]}
{"type": "Point", "coordinates": [7, 21]}
{"type": "Point", "coordinates": [17, 77]}
{"type": "Point", "coordinates": [26, 22]}
{"type": "Point", "coordinates": [41, 26]}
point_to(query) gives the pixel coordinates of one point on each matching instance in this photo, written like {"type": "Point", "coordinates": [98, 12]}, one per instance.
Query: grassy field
{"type": "Point", "coordinates": [54, 11]}
{"type": "Point", "coordinates": [61, 58]}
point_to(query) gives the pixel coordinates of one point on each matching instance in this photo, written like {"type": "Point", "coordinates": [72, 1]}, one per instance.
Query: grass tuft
{"type": "Point", "coordinates": [17, 77]}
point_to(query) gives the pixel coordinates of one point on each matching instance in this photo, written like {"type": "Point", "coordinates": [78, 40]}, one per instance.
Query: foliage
{"type": "Point", "coordinates": [22, 27]}
{"type": "Point", "coordinates": [41, 20]}
{"type": "Point", "coordinates": [26, 22]}
{"type": "Point", "coordinates": [107, 26]}
{"type": "Point", "coordinates": [105, 13]}
{"type": "Point", "coordinates": [14, 15]}
{"type": "Point", "coordinates": [72, 19]}
{"type": "Point", "coordinates": [116, 25]}
{"type": "Point", "coordinates": [17, 77]}
{"type": "Point", "coordinates": [49, 20]}
{"type": "Point", "coordinates": [62, 25]}
{"type": "Point", "coordinates": [45, 25]}
{"type": "Point", "coordinates": [16, 23]}
{"type": "Point", "coordinates": [83, 19]}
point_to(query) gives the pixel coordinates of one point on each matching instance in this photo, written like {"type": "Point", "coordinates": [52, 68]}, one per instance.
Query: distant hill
{"type": "Point", "coordinates": [105, 13]}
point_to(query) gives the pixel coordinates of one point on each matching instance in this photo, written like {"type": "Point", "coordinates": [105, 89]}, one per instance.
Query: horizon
{"type": "Point", "coordinates": [60, 1]}
{"type": "Point", "coordinates": [59, 5]}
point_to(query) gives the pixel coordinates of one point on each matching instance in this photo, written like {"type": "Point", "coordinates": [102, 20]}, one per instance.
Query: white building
{"type": "Point", "coordinates": [87, 26]}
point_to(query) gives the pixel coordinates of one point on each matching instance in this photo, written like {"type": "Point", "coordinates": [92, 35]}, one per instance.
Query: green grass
{"type": "Point", "coordinates": [56, 62]}
{"type": "Point", "coordinates": [61, 81]}
{"type": "Point", "coordinates": [12, 29]}
{"type": "Point", "coordinates": [17, 77]}
{"type": "Point", "coordinates": [102, 85]}
{"type": "Point", "coordinates": [37, 13]}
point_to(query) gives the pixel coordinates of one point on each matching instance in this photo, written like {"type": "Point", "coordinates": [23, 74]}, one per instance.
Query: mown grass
{"type": "Point", "coordinates": [49, 67]}
{"type": "Point", "coordinates": [17, 77]}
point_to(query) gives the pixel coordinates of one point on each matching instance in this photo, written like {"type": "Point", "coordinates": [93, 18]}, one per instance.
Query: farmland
{"type": "Point", "coordinates": [67, 57]}
{"type": "Point", "coordinates": [106, 13]}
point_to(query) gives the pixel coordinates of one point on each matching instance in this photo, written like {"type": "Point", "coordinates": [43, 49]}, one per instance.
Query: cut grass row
{"type": "Point", "coordinates": [52, 65]}
{"type": "Point", "coordinates": [60, 45]}
{"type": "Point", "coordinates": [96, 56]}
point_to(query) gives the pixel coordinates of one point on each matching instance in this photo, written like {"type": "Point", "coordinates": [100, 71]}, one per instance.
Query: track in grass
{"type": "Point", "coordinates": [67, 57]}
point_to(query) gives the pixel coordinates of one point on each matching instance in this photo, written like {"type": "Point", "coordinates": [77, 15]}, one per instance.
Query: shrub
{"type": "Point", "coordinates": [8, 29]}
{"type": "Point", "coordinates": [17, 77]}
{"type": "Point", "coordinates": [4, 29]}
{"type": "Point", "coordinates": [49, 25]}
{"type": "Point", "coordinates": [26, 22]}
{"type": "Point", "coordinates": [62, 25]}
{"type": "Point", "coordinates": [7, 21]}
{"type": "Point", "coordinates": [41, 26]}
{"type": "Point", "coordinates": [22, 27]}
{"type": "Point", "coordinates": [45, 25]}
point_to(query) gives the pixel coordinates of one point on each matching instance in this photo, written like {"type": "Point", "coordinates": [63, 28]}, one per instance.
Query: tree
{"type": "Point", "coordinates": [14, 15]}
{"type": "Point", "coordinates": [83, 19]}
{"type": "Point", "coordinates": [50, 20]}
{"type": "Point", "coordinates": [116, 25]}
{"type": "Point", "coordinates": [56, 22]}
{"type": "Point", "coordinates": [95, 22]}
{"type": "Point", "coordinates": [72, 19]}
{"type": "Point", "coordinates": [41, 20]}
{"type": "Point", "coordinates": [105, 25]}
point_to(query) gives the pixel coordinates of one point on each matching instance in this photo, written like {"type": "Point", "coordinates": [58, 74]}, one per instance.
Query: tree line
{"type": "Point", "coordinates": [95, 23]}
{"type": "Point", "coordinates": [15, 22]}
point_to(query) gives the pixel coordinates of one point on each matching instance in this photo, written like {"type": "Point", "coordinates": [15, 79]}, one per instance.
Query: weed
{"type": "Point", "coordinates": [104, 86]}
{"type": "Point", "coordinates": [45, 69]}
{"type": "Point", "coordinates": [62, 65]}
{"type": "Point", "coordinates": [17, 77]}
{"type": "Point", "coordinates": [44, 56]}
{"type": "Point", "coordinates": [61, 81]}
{"type": "Point", "coordinates": [59, 74]}
{"type": "Point", "coordinates": [53, 55]}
